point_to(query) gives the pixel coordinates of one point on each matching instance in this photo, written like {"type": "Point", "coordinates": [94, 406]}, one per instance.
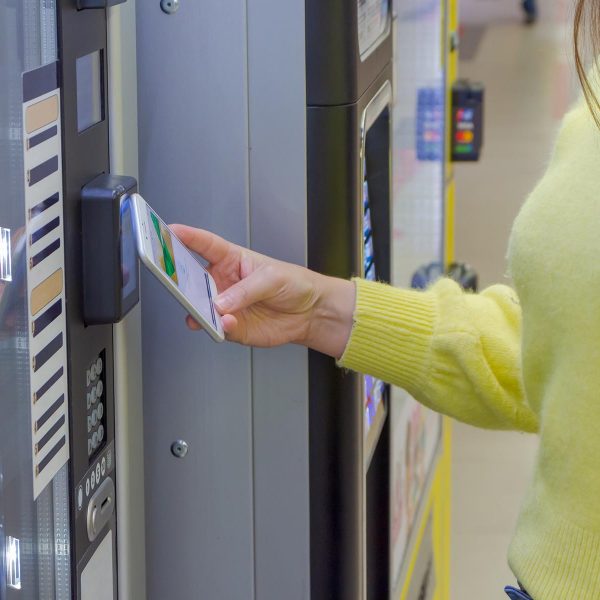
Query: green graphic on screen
{"type": "Point", "coordinates": [167, 261]}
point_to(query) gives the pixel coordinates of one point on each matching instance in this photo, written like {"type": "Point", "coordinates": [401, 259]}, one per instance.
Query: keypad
{"type": "Point", "coordinates": [95, 403]}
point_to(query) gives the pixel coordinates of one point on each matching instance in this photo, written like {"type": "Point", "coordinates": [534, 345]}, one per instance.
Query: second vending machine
{"type": "Point", "coordinates": [349, 97]}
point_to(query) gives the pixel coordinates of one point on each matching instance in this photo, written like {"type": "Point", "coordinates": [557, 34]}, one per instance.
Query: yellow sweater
{"type": "Point", "coordinates": [527, 360]}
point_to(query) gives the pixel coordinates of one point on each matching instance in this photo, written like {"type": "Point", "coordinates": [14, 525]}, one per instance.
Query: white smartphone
{"type": "Point", "coordinates": [176, 267]}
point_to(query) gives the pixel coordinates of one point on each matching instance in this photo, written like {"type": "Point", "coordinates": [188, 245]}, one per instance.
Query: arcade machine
{"type": "Point", "coordinates": [60, 486]}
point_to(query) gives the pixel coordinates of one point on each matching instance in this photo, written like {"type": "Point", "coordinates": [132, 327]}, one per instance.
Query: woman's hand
{"type": "Point", "coordinates": [265, 302]}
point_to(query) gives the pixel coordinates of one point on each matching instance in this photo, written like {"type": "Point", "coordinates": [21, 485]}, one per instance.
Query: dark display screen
{"type": "Point", "coordinates": [90, 109]}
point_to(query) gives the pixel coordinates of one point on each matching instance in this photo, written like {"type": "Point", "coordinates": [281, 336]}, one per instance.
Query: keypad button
{"type": "Point", "coordinates": [95, 440]}
{"type": "Point", "coordinates": [98, 472]}
{"type": "Point", "coordinates": [100, 434]}
{"type": "Point", "coordinates": [94, 395]}
{"type": "Point", "coordinates": [89, 421]}
{"type": "Point", "coordinates": [103, 466]}
{"type": "Point", "coordinates": [93, 373]}
{"type": "Point", "coordinates": [99, 366]}
{"type": "Point", "coordinates": [93, 479]}
{"type": "Point", "coordinates": [99, 389]}
{"type": "Point", "coordinates": [88, 378]}
{"type": "Point", "coordinates": [90, 449]}
{"type": "Point", "coordinates": [100, 411]}
{"type": "Point", "coordinates": [94, 418]}
{"type": "Point", "coordinates": [89, 401]}
{"type": "Point", "coordinates": [87, 488]}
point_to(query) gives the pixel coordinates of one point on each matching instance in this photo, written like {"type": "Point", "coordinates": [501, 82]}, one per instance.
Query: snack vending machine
{"type": "Point", "coordinates": [58, 457]}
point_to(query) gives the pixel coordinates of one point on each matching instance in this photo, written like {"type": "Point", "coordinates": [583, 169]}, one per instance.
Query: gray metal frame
{"type": "Point", "coordinates": [193, 166]}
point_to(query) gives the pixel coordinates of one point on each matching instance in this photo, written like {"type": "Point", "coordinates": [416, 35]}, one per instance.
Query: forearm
{"type": "Point", "coordinates": [455, 352]}
{"type": "Point", "coordinates": [330, 323]}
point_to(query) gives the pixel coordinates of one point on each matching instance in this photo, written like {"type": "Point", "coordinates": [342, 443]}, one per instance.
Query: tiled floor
{"type": "Point", "coordinates": [529, 84]}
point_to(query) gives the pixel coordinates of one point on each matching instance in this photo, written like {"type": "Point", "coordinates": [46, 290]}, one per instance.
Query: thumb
{"type": "Point", "coordinates": [259, 285]}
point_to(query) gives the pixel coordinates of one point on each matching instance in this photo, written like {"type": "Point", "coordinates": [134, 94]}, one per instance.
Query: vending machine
{"type": "Point", "coordinates": [349, 160]}
{"type": "Point", "coordinates": [60, 460]}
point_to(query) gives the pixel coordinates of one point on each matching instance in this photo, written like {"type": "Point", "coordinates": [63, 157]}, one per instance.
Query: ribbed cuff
{"type": "Point", "coordinates": [392, 332]}
{"type": "Point", "coordinates": [552, 557]}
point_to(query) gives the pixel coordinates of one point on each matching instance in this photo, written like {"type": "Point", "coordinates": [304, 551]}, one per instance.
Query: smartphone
{"type": "Point", "coordinates": [175, 267]}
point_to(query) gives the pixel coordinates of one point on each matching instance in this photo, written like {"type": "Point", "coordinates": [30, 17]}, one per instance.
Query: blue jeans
{"type": "Point", "coordinates": [517, 594]}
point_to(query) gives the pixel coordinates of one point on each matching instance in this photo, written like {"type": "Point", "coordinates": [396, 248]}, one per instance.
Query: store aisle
{"type": "Point", "coordinates": [529, 85]}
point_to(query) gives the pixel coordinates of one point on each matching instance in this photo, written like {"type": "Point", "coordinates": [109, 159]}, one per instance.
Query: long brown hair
{"type": "Point", "coordinates": [586, 34]}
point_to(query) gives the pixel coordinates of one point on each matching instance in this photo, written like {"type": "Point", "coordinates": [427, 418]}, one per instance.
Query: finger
{"type": "Point", "coordinates": [209, 246]}
{"type": "Point", "coordinates": [230, 325]}
{"type": "Point", "coordinates": [192, 323]}
{"type": "Point", "coordinates": [256, 287]}
{"type": "Point", "coordinates": [234, 329]}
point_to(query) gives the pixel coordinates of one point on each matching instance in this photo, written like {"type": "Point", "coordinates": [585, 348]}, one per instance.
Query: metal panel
{"type": "Point", "coordinates": [277, 120]}
{"type": "Point", "coordinates": [193, 153]}
{"type": "Point", "coordinates": [127, 337]}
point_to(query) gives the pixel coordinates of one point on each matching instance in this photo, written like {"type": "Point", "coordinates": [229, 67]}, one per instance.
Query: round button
{"type": "Point", "coordinates": [88, 378]}
{"type": "Point", "coordinates": [79, 498]}
{"type": "Point", "coordinates": [87, 488]}
{"type": "Point", "coordinates": [90, 449]}
{"type": "Point", "coordinates": [99, 366]}
{"type": "Point", "coordinates": [93, 372]}
{"type": "Point", "coordinates": [100, 410]}
{"type": "Point", "coordinates": [93, 479]}
{"type": "Point", "coordinates": [89, 424]}
{"type": "Point", "coordinates": [98, 472]}
{"type": "Point", "coordinates": [100, 434]}
{"type": "Point", "coordinates": [103, 465]}
{"type": "Point", "coordinates": [89, 401]}
{"type": "Point", "coordinates": [99, 389]}
{"type": "Point", "coordinates": [95, 440]}
{"type": "Point", "coordinates": [93, 395]}
{"type": "Point", "coordinates": [94, 418]}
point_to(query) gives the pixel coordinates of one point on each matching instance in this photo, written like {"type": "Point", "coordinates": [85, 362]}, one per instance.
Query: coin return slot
{"type": "Point", "coordinates": [100, 508]}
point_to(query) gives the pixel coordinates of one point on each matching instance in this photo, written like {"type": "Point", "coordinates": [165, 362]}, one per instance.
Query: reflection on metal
{"type": "Point", "coordinates": [5, 255]}
{"type": "Point", "coordinates": [13, 563]}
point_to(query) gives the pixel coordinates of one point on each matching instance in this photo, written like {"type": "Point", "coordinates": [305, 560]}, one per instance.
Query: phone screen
{"type": "Point", "coordinates": [180, 266]}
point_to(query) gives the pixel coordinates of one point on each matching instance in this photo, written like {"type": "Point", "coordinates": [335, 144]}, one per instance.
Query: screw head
{"type": "Point", "coordinates": [169, 6]}
{"type": "Point", "coordinates": [179, 448]}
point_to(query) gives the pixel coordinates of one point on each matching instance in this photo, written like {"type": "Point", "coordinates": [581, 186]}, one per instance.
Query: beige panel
{"type": "Point", "coordinates": [46, 291]}
{"type": "Point", "coordinates": [41, 114]}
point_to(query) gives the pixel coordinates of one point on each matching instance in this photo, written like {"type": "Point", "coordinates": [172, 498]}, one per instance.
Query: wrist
{"type": "Point", "coordinates": [331, 319]}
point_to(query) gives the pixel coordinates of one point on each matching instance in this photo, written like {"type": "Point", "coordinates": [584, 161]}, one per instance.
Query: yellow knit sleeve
{"type": "Point", "coordinates": [456, 352]}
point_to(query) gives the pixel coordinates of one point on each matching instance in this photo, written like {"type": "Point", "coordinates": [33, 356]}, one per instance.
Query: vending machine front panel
{"type": "Point", "coordinates": [35, 544]}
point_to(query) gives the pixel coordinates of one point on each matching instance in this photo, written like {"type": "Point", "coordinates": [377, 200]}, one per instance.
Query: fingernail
{"type": "Point", "coordinates": [223, 302]}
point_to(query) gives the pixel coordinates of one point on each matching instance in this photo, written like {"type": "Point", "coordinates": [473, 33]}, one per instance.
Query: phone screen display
{"type": "Point", "coordinates": [180, 266]}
